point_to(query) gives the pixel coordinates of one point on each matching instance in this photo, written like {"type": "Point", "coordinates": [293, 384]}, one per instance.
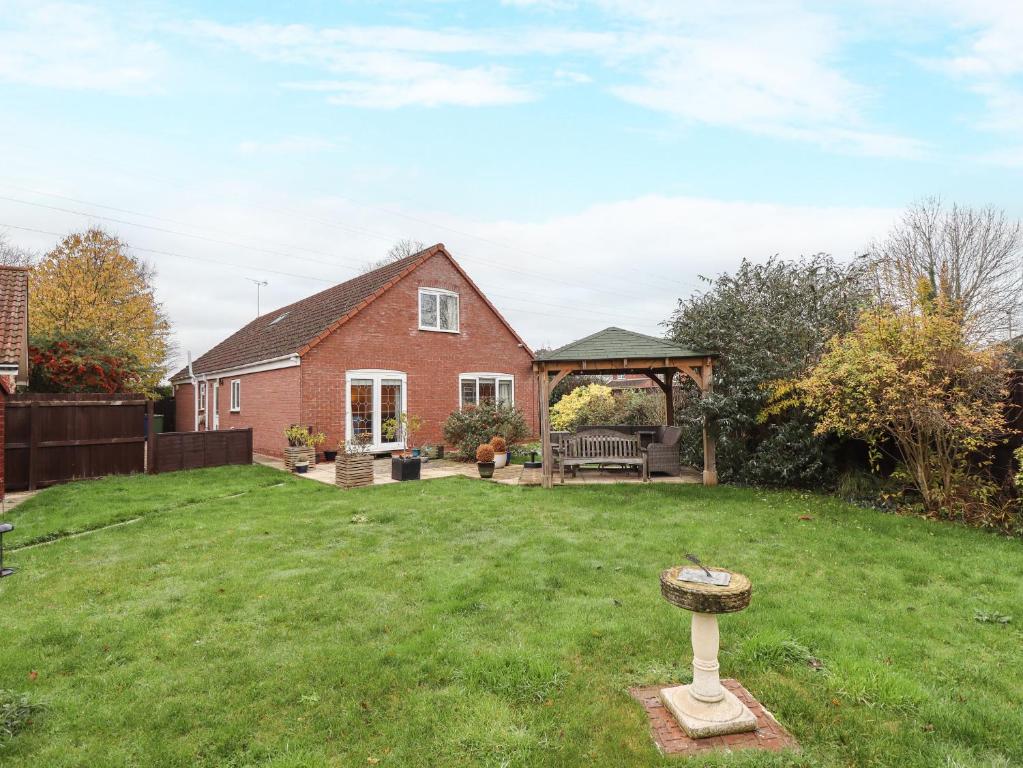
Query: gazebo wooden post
{"type": "Point", "coordinates": [544, 395]}
{"type": "Point", "coordinates": [669, 397]}
{"type": "Point", "coordinates": [710, 466]}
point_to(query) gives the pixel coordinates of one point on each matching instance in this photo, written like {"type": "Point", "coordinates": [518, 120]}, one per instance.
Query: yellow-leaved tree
{"type": "Point", "coordinates": [91, 284]}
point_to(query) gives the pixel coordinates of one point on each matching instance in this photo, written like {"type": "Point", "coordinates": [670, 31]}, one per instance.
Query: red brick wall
{"type": "Point", "coordinates": [269, 404]}
{"type": "Point", "coordinates": [3, 413]}
{"type": "Point", "coordinates": [184, 404]}
{"type": "Point", "coordinates": [386, 335]}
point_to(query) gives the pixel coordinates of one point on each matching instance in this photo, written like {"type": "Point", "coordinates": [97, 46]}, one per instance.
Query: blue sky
{"type": "Point", "coordinates": [584, 161]}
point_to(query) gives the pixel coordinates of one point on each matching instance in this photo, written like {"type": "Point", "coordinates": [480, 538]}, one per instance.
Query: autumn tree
{"type": "Point", "coordinates": [92, 284]}
{"type": "Point", "coordinates": [974, 256]}
{"type": "Point", "coordinates": [911, 378]}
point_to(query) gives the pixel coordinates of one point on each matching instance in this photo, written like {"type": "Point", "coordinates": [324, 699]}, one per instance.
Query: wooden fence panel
{"type": "Point", "coordinates": [194, 450]}
{"type": "Point", "coordinates": [53, 438]}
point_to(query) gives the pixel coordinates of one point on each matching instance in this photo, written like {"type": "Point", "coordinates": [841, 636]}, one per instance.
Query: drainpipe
{"type": "Point", "coordinates": [195, 395]}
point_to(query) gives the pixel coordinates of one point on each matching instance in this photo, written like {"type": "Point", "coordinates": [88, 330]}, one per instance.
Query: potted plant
{"type": "Point", "coordinates": [297, 448]}
{"type": "Point", "coordinates": [485, 460]}
{"type": "Point", "coordinates": [405, 466]}
{"type": "Point", "coordinates": [353, 466]}
{"type": "Point", "coordinates": [302, 466]}
{"type": "Point", "coordinates": [500, 451]}
{"type": "Point", "coordinates": [315, 439]}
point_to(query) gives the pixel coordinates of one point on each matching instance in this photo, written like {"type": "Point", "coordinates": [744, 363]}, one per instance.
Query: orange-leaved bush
{"type": "Point", "coordinates": [485, 453]}
{"type": "Point", "coordinates": [499, 444]}
{"type": "Point", "coordinates": [912, 379]}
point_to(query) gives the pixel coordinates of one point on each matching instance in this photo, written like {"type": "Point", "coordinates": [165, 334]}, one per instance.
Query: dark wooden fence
{"type": "Point", "coordinates": [172, 451]}
{"type": "Point", "coordinates": [53, 438]}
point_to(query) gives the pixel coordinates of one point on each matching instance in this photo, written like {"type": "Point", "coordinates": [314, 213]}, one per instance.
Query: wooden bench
{"type": "Point", "coordinates": [601, 447]}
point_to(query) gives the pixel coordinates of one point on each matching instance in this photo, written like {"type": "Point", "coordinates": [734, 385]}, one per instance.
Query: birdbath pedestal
{"type": "Point", "coordinates": [705, 708]}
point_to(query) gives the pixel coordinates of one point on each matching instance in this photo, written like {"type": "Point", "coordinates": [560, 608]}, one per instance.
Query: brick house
{"type": "Point", "coordinates": [415, 336]}
{"type": "Point", "coordinates": [13, 342]}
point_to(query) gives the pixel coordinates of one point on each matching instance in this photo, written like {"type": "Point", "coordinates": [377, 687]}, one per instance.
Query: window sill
{"type": "Point", "coordinates": [438, 330]}
{"type": "Point", "coordinates": [235, 410]}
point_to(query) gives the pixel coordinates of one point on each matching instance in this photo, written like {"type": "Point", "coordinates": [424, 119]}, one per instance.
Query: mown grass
{"type": "Point", "coordinates": [250, 618]}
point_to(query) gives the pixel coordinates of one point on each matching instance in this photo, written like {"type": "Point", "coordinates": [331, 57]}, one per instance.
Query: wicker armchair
{"type": "Point", "coordinates": [663, 452]}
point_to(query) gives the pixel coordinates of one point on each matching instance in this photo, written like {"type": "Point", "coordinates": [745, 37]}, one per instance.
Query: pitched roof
{"type": "Point", "coordinates": [13, 316]}
{"type": "Point", "coordinates": [292, 329]}
{"type": "Point", "coordinates": [617, 343]}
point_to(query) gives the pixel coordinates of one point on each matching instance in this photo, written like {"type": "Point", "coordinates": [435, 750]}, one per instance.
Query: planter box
{"type": "Point", "coordinates": [353, 471]}
{"type": "Point", "coordinates": [404, 468]}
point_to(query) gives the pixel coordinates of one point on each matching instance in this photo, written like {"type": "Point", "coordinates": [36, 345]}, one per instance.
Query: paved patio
{"type": "Point", "coordinates": [514, 474]}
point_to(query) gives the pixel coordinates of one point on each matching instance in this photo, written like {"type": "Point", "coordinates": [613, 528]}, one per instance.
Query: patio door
{"type": "Point", "coordinates": [373, 397]}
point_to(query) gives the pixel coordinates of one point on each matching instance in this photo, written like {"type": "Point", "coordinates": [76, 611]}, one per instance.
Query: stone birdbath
{"type": "Point", "coordinates": [705, 708]}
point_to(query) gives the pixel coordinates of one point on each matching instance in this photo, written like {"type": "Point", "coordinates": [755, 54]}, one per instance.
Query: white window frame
{"type": "Point", "coordinates": [377, 376]}
{"type": "Point", "coordinates": [202, 396]}
{"type": "Point", "coordinates": [476, 376]}
{"type": "Point", "coordinates": [438, 292]}
{"type": "Point", "coordinates": [236, 395]}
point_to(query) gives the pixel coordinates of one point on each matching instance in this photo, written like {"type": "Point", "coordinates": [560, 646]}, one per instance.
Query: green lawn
{"type": "Point", "coordinates": [251, 618]}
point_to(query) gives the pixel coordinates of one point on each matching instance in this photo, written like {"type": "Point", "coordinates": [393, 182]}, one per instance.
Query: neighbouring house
{"type": "Point", "coordinates": [13, 343]}
{"type": "Point", "coordinates": [415, 336]}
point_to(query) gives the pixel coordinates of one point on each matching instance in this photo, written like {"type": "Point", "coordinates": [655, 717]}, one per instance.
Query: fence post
{"type": "Point", "coordinates": [249, 443]}
{"type": "Point", "coordinates": [33, 444]}
{"type": "Point", "coordinates": [150, 440]}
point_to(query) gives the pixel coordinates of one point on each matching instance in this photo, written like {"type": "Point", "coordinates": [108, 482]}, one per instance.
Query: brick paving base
{"type": "Point", "coordinates": [672, 740]}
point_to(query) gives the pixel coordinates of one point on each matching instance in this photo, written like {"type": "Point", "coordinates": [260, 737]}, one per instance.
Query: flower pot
{"type": "Point", "coordinates": [302, 467]}
{"type": "Point", "coordinates": [353, 470]}
{"type": "Point", "coordinates": [486, 469]}
{"type": "Point", "coordinates": [405, 468]}
{"type": "Point", "coordinates": [329, 455]}
{"type": "Point", "coordinates": [500, 459]}
{"type": "Point", "coordinates": [293, 454]}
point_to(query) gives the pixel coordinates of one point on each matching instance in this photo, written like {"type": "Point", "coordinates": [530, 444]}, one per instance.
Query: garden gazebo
{"type": "Point", "coordinates": [613, 351]}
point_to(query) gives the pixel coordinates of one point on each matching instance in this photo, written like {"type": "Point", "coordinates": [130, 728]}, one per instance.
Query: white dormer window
{"type": "Point", "coordinates": [438, 310]}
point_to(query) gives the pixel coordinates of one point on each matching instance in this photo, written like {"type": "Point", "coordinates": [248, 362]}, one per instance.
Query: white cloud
{"type": "Point", "coordinates": [753, 67]}
{"type": "Point", "coordinates": [75, 47]}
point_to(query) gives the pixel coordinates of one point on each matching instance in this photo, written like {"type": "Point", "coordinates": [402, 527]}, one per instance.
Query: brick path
{"type": "Point", "coordinates": [672, 740]}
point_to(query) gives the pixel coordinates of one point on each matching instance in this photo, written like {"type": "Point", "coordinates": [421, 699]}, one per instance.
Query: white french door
{"type": "Point", "coordinates": [372, 397]}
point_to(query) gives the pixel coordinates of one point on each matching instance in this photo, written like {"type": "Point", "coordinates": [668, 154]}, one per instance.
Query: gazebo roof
{"type": "Point", "coordinates": [616, 344]}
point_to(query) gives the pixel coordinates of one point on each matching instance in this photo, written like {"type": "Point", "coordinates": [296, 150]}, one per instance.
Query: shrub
{"type": "Point", "coordinates": [912, 378]}
{"type": "Point", "coordinates": [769, 322]}
{"type": "Point", "coordinates": [485, 453]}
{"type": "Point", "coordinates": [477, 424]}
{"type": "Point", "coordinates": [296, 436]}
{"type": "Point", "coordinates": [16, 710]}
{"type": "Point", "coordinates": [1019, 463]}
{"type": "Point", "coordinates": [590, 404]}
{"type": "Point", "coordinates": [499, 444]}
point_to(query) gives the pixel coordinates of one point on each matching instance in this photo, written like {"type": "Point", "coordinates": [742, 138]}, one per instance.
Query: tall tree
{"type": "Point", "coordinates": [769, 322]}
{"type": "Point", "coordinates": [91, 283]}
{"type": "Point", "coordinates": [973, 256]}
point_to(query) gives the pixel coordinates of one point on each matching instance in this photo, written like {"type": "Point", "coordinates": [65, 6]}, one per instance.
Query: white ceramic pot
{"type": "Point", "coordinates": [500, 459]}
